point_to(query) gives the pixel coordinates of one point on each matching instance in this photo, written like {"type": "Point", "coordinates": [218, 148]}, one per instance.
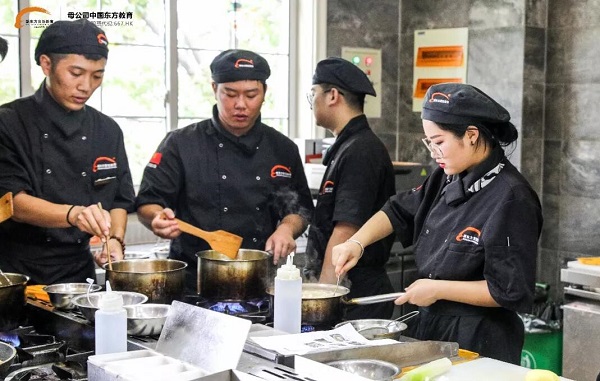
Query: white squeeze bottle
{"type": "Point", "coordinates": [288, 297]}
{"type": "Point", "coordinates": [110, 323]}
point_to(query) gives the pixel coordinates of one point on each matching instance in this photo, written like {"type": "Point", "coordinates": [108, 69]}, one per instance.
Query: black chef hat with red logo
{"type": "Point", "coordinates": [459, 103]}
{"type": "Point", "coordinates": [344, 74]}
{"type": "Point", "coordinates": [239, 65]}
{"type": "Point", "coordinates": [72, 37]}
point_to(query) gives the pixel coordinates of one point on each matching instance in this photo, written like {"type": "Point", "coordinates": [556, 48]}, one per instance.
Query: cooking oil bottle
{"type": "Point", "coordinates": [110, 323]}
{"type": "Point", "coordinates": [288, 297]}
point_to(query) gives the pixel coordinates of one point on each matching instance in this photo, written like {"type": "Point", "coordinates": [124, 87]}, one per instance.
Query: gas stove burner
{"type": "Point", "coordinates": [307, 328]}
{"type": "Point", "coordinates": [233, 308]}
{"type": "Point", "coordinates": [10, 338]}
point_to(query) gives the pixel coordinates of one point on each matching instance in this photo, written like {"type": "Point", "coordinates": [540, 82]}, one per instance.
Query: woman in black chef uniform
{"type": "Point", "coordinates": [475, 224]}
{"type": "Point", "coordinates": [60, 158]}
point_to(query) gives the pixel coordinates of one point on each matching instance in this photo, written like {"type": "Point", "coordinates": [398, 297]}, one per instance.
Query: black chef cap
{"type": "Point", "coordinates": [459, 103]}
{"type": "Point", "coordinates": [339, 72]}
{"type": "Point", "coordinates": [72, 37]}
{"type": "Point", "coordinates": [238, 65]}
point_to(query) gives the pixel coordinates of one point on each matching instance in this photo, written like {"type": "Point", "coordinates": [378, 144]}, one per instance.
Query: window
{"type": "Point", "coordinates": [140, 91]}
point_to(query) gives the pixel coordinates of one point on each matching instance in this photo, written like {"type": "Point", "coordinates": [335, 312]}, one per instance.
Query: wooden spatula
{"type": "Point", "coordinates": [219, 240]}
{"type": "Point", "coordinates": [6, 207]}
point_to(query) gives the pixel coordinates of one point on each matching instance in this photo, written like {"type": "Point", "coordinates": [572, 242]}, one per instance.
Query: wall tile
{"type": "Point", "coordinates": [547, 264]}
{"type": "Point", "coordinates": [494, 14]}
{"type": "Point", "coordinates": [433, 14]}
{"type": "Point", "coordinates": [573, 55]}
{"type": "Point", "coordinates": [573, 13]}
{"type": "Point", "coordinates": [580, 170]}
{"type": "Point", "coordinates": [552, 168]}
{"type": "Point", "coordinates": [496, 55]}
{"type": "Point", "coordinates": [363, 15]}
{"type": "Point", "coordinates": [535, 55]}
{"type": "Point", "coordinates": [550, 230]}
{"type": "Point", "coordinates": [532, 123]}
{"type": "Point", "coordinates": [579, 225]}
{"type": "Point", "coordinates": [558, 110]}
{"type": "Point", "coordinates": [572, 111]}
{"type": "Point", "coordinates": [532, 158]}
{"type": "Point", "coordinates": [536, 13]}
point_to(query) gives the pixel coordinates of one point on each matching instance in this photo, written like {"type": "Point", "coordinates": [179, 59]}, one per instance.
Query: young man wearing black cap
{"type": "Point", "coordinates": [357, 182]}
{"type": "Point", "coordinates": [61, 159]}
{"type": "Point", "coordinates": [231, 172]}
{"type": "Point", "coordinates": [474, 223]}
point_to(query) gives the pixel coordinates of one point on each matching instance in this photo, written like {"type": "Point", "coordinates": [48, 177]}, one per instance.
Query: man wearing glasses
{"type": "Point", "coordinates": [358, 180]}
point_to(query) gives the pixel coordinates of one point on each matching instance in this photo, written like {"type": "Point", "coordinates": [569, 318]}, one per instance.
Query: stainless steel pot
{"type": "Point", "coordinates": [243, 278]}
{"type": "Point", "coordinates": [12, 300]}
{"type": "Point", "coordinates": [161, 280]}
{"type": "Point", "coordinates": [319, 304]}
{"type": "Point", "coordinates": [7, 356]}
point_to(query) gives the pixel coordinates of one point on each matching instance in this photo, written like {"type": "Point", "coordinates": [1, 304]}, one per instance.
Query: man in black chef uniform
{"type": "Point", "coordinates": [230, 172]}
{"type": "Point", "coordinates": [358, 180]}
{"type": "Point", "coordinates": [60, 158]}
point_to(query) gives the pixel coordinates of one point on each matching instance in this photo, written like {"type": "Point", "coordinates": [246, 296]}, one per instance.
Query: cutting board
{"type": "Point", "coordinates": [485, 369]}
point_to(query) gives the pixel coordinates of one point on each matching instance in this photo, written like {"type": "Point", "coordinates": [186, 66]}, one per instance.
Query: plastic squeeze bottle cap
{"type": "Point", "coordinates": [111, 301]}
{"type": "Point", "coordinates": [288, 271]}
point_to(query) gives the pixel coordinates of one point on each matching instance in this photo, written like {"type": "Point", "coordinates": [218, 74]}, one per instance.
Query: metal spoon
{"type": "Point", "coordinates": [337, 284]}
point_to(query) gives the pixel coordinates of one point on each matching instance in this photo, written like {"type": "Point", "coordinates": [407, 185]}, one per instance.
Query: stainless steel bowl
{"type": "Point", "coordinates": [61, 294]}
{"type": "Point", "coordinates": [146, 319]}
{"type": "Point", "coordinates": [368, 368]}
{"type": "Point", "coordinates": [363, 326]}
{"type": "Point", "coordinates": [88, 304]}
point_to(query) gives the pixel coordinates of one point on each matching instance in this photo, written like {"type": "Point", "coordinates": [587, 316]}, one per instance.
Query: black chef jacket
{"type": "Point", "coordinates": [215, 180]}
{"type": "Point", "coordinates": [489, 235]}
{"type": "Point", "coordinates": [63, 157]}
{"type": "Point", "coordinates": [359, 179]}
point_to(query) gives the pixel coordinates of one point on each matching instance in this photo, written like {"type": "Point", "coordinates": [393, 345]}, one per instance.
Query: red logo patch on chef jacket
{"type": "Point", "coordinates": [281, 171]}
{"type": "Point", "coordinates": [103, 163]}
{"type": "Point", "coordinates": [155, 160]}
{"type": "Point", "coordinates": [327, 187]}
{"type": "Point", "coordinates": [469, 234]}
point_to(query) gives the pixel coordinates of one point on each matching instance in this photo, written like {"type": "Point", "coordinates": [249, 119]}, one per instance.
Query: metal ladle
{"type": "Point", "coordinates": [371, 332]}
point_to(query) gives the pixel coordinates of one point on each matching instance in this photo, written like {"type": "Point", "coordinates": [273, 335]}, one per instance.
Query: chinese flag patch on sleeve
{"type": "Point", "coordinates": [156, 158]}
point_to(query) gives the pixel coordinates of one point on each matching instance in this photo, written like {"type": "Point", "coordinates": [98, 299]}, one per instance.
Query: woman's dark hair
{"type": "Point", "coordinates": [3, 48]}
{"type": "Point", "coordinates": [493, 134]}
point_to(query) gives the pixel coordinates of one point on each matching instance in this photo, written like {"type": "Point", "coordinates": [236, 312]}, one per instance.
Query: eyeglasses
{"type": "Point", "coordinates": [310, 96]}
{"type": "Point", "coordinates": [435, 149]}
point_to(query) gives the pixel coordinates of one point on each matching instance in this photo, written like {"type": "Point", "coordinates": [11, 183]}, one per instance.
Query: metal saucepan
{"type": "Point", "coordinates": [375, 329]}
{"type": "Point", "coordinates": [7, 356]}
{"type": "Point", "coordinates": [243, 278]}
{"type": "Point", "coordinates": [319, 304]}
{"type": "Point", "coordinates": [12, 300]}
{"type": "Point", "coordinates": [161, 280]}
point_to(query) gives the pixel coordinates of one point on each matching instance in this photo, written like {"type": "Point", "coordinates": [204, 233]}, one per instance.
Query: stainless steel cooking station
{"type": "Point", "coordinates": [581, 321]}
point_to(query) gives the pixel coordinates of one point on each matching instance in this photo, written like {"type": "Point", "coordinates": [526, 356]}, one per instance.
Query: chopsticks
{"type": "Point", "coordinates": [106, 239]}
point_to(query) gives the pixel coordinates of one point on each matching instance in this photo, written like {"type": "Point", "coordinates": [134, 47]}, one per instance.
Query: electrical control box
{"type": "Point", "coordinates": [369, 61]}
